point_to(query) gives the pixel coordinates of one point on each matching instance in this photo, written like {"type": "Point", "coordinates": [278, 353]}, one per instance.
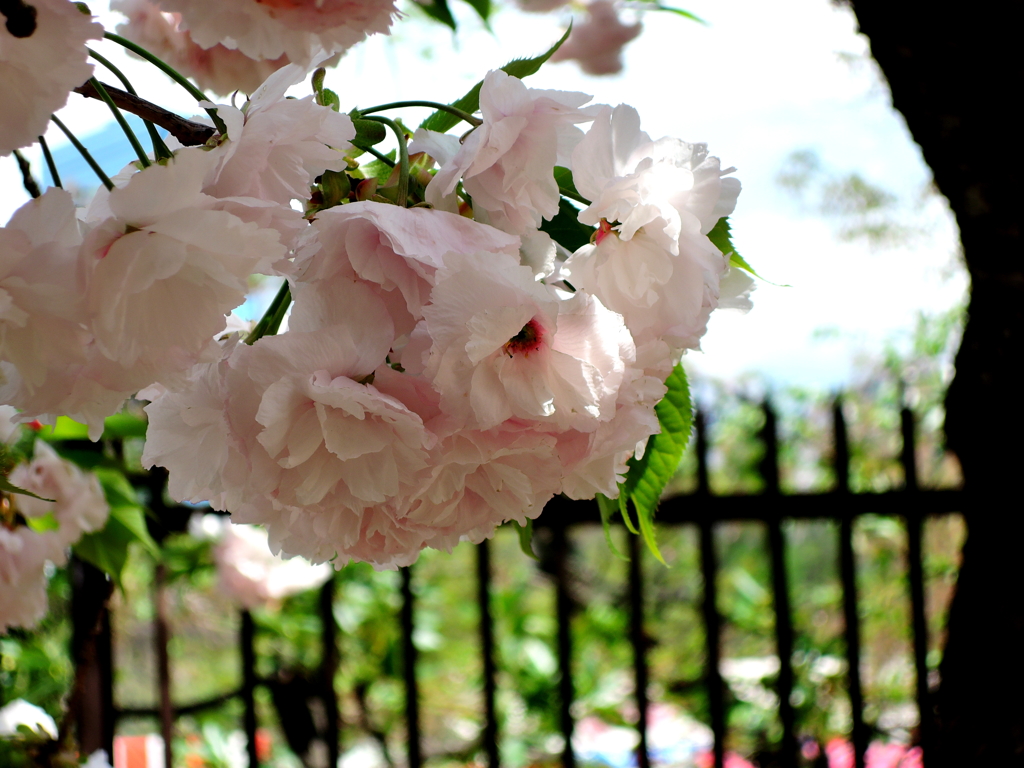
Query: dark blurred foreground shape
{"type": "Point", "coordinates": [955, 73]}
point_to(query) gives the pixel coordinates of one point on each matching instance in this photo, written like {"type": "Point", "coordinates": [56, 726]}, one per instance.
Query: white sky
{"type": "Point", "coordinates": [762, 80]}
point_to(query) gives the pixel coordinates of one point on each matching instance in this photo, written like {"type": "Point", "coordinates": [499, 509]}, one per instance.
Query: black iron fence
{"type": "Point", "coordinates": [96, 712]}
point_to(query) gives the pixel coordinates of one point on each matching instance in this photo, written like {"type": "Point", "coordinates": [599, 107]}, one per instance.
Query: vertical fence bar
{"type": "Point", "coordinates": [92, 700]}
{"type": "Point", "coordinates": [329, 661]}
{"type": "Point", "coordinates": [848, 574]}
{"type": "Point", "coordinates": [712, 620]}
{"type": "Point", "coordinates": [915, 574]}
{"type": "Point", "coordinates": [483, 575]}
{"type": "Point", "coordinates": [780, 590]}
{"type": "Point", "coordinates": [412, 696]}
{"type": "Point", "coordinates": [162, 636]}
{"type": "Point", "coordinates": [639, 642]}
{"type": "Point", "coordinates": [563, 610]}
{"type": "Point", "coordinates": [247, 638]}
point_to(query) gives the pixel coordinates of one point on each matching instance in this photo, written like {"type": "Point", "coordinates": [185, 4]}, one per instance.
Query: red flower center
{"type": "Point", "coordinates": [526, 341]}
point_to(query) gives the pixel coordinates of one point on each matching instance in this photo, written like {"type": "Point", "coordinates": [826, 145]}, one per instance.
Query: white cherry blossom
{"type": "Point", "coordinates": [397, 249]}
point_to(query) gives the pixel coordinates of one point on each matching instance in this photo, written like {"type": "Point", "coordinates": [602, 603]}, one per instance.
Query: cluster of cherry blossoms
{"type": "Point", "coordinates": [38, 529]}
{"type": "Point", "coordinates": [437, 362]}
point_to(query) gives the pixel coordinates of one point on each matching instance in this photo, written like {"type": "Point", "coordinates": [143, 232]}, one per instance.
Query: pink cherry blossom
{"type": "Point", "coordinates": [507, 346]}
{"type": "Point", "coordinates": [41, 312]}
{"type": "Point", "coordinates": [166, 268]}
{"type": "Point", "coordinates": [277, 146]}
{"type": "Point", "coordinates": [23, 554]}
{"type": "Point", "coordinates": [397, 249]}
{"type": "Point", "coordinates": [506, 163]}
{"type": "Point", "coordinates": [216, 68]}
{"type": "Point", "coordinates": [79, 504]}
{"type": "Point", "coordinates": [597, 43]}
{"type": "Point", "coordinates": [269, 29]}
{"type": "Point", "coordinates": [252, 575]}
{"type": "Point", "coordinates": [38, 70]}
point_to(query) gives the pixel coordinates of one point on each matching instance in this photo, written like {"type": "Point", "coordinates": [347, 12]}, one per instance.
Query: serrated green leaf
{"type": "Point", "coordinates": [648, 476]}
{"type": "Point", "coordinates": [526, 538]}
{"type": "Point", "coordinates": [9, 487]}
{"type": "Point", "coordinates": [565, 228]}
{"type": "Point", "coordinates": [608, 508]}
{"type": "Point", "coordinates": [445, 121]}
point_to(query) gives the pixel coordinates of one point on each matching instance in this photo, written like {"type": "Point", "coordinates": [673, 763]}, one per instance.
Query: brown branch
{"type": "Point", "coordinates": [187, 132]}
{"type": "Point", "coordinates": [26, 175]}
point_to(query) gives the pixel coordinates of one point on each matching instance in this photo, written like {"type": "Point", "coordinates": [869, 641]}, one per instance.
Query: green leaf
{"type": "Point", "coordinates": [648, 475]}
{"type": "Point", "coordinates": [124, 425]}
{"type": "Point", "coordinates": [439, 10]}
{"type": "Point", "coordinates": [679, 12]}
{"type": "Point", "coordinates": [526, 538]}
{"type": "Point", "coordinates": [608, 508]}
{"type": "Point", "coordinates": [721, 236]}
{"type": "Point", "coordinates": [7, 485]}
{"type": "Point", "coordinates": [563, 177]}
{"type": "Point", "coordinates": [368, 133]}
{"type": "Point", "coordinates": [482, 7]}
{"type": "Point", "coordinates": [107, 549]}
{"type": "Point", "coordinates": [66, 429]}
{"type": "Point", "coordinates": [445, 121]}
{"type": "Point", "coordinates": [378, 170]}
{"type": "Point", "coordinates": [42, 524]}
{"type": "Point", "coordinates": [565, 228]}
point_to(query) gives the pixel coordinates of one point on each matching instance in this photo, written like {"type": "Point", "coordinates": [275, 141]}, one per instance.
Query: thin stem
{"type": "Point", "coordinates": [159, 148]}
{"type": "Point", "coordinates": [52, 166]}
{"type": "Point", "coordinates": [271, 320]}
{"type": "Point", "coordinates": [84, 153]}
{"type": "Point", "coordinates": [462, 115]}
{"type": "Point", "coordinates": [403, 158]}
{"type": "Point", "coordinates": [27, 179]}
{"type": "Point", "coordinates": [132, 138]}
{"type": "Point", "coordinates": [379, 155]}
{"type": "Point", "coordinates": [573, 195]}
{"type": "Point", "coordinates": [172, 73]}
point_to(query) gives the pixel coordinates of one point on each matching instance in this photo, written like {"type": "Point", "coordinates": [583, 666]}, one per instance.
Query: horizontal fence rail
{"type": "Point", "coordinates": [96, 715]}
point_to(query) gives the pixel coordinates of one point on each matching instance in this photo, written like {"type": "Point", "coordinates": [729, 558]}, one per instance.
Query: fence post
{"type": "Point", "coordinates": [780, 588]}
{"type": "Point", "coordinates": [483, 575]}
{"type": "Point", "coordinates": [563, 608]}
{"type": "Point", "coordinates": [915, 521]}
{"type": "Point", "coordinates": [161, 636]}
{"type": "Point", "coordinates": [412, 698]}
{"type": "Point", "coordinates": [712, 619]}
{"type": "Point", "coordinates": [639, 642]}
{"type": "Point", "coordinates": [329, 661]}
{"type": "Point", "coordinates": [247, 636]}
{"type": "Point", "coordinates": [92, 699]}
{"type": "Point", "coordinates": [848, 574]}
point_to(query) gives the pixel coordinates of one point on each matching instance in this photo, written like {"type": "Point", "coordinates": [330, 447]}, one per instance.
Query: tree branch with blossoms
{"type": "Point", "coordinates": [467, 324]}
